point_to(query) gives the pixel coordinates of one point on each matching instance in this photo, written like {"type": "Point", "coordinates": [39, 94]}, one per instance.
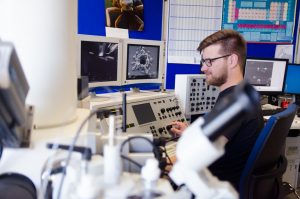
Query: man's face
{"type": "Point", "coordinates": [216, 73]}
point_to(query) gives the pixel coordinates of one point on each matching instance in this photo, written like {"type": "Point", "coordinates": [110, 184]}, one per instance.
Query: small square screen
{"type": "Point", "coordinates": [292, 83]}
{"type": "Point", "coordinates": [266, 75]}
{"type": "Point", "coordinates": [259, 73]}
{"type": "Point", "coordinates": [99, 61]}
{"type": "Point", "coordinates": [142, 62]}
{"type": "Point", "coordinates": [143, 113]}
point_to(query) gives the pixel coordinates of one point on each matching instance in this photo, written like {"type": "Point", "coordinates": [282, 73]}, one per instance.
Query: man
{"type": "Point", "coordinates": [223, 56]}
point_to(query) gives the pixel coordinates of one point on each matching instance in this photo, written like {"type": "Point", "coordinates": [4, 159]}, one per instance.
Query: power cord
{"type": "Point", "coordinates": [156, 153]}
{"type": "Point", "coordinates": [133, 138]}
{"type": "Point", "coordinates": [155, 149]}
{"type": "Point", "coordinates": [131, 160]}
{"type": "Point", "coordinates": [71, 147]}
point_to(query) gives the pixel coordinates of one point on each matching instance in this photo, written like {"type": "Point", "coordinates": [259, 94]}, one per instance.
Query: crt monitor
{"type": "Point", "coordinates": [142, 61]}
{"type": "Point", "coordinates": [15, 123]}
{"type": "Point", "coordinates": [292, 82]}
{"type": "Point", "coordinates": [267, 75]}
{"type": "Point", "coordinates": [100, 60]}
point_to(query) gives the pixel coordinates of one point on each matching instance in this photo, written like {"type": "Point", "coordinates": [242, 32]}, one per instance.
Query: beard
{"type": "Point", "coordinates": [216, 80]}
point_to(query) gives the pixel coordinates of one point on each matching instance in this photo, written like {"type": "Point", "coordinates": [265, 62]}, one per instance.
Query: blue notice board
{"type": "Point", "coordinates": [254, 49]}
{"type": "Point", "coordinates": [91, 19]}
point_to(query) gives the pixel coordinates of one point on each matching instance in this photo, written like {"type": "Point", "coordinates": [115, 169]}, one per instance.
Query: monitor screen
{"type": "Point", "coordinates": [144, 113]}
{"type": "Point", "coordinates": [143, 61]}
{"type": "Point", "coordinates": [100, 60]}
{"type": "Point", "coordinates": [292, 83]}
{"type": "Point", "coordinates": [266, 75]}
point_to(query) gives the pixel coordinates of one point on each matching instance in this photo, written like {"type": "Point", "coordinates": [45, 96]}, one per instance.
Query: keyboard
{"type": "Point", "coordinates": [267, 112]}
{"type": "Point", "coordinates": [171, 148]}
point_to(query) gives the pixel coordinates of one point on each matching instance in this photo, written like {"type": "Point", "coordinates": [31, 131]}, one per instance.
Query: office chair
{"type": "Point", "coordinates": [262, 175]}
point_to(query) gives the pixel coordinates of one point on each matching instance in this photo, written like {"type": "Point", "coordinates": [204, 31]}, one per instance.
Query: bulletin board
{"type": "Point", "coordinates": [91, 19]}
{"type": "Point", "coordinates": [254, 49]}
{"type": "Point", "coordinates": [261, 21]}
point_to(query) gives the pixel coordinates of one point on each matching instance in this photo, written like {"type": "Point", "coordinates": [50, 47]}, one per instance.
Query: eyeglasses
{"type": "Point", "coordinates": [208, 62]}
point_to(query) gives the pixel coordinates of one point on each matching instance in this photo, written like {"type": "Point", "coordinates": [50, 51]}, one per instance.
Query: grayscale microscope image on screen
{"type": "Point", "coordinates": [142, 62]}
{"type": "Point", "coordinates": [259, 73]}
{"type": "Point", "coordinates": [99, 61]}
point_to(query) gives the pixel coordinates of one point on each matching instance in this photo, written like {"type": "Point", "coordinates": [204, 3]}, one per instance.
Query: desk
{"type": "Point", "coordinates": [296, 123]}
{"type": "Point", "coordinates": [292, 153]}
{"type": "Point", "coordinates": [30, 161]}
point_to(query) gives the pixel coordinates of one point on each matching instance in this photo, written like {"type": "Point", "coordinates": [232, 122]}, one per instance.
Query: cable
{"type": "Point", "coordinates": [131, 160]}
{"type": "Point", "coordinates": [165, 171]}
{"type": "Point", "coordinates": [72, 147]}
{"type": "Point", "coordinates": [136, 137]}
{"type": "Point", "coordinates": [155, 150]}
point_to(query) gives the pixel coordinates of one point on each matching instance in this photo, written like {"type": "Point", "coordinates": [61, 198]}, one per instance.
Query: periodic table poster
{"type": "Point", "coordinates": [261, 20]}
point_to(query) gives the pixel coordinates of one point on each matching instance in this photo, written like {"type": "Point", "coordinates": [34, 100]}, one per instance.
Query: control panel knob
{"type": "Point", "coordinates": [169, 127]}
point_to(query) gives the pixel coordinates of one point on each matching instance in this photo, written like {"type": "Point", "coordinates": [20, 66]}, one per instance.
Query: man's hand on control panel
{"type": "Point", "coordinates": [178, 127]}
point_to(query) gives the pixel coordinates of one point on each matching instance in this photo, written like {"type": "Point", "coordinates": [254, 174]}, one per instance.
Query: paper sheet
{"type": "Point", "coordinates": [190, 21]}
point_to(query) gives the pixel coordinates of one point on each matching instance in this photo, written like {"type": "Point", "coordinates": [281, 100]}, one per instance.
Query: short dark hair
{"type": "Point", "coordinates": [230, 41]}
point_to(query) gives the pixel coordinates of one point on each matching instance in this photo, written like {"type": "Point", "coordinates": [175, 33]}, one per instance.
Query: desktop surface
{"type": "Point", "coordinates": [269, 110]}
{"type": "Point", "coordinates": [30, 161]}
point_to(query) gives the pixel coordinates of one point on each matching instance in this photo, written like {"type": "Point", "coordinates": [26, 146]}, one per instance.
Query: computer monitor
{"type": "Point", "coordinates": [292, 83]}
{"type": "Point", "coordinates": [100, 60]}
{"type": "Point", "coordinates": [15, 120]}
{"type": "Point", "coordinates": [266, 75]}
{"type": "Point", "coordinates": [142, 61]}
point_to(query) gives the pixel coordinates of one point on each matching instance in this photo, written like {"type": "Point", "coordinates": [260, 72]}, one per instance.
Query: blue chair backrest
{"type": "Point", "coordinates": [268, 149]}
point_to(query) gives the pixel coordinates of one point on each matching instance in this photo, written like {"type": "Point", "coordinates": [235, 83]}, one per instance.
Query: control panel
{"type": "Point", "coordinates": [196, 96]}
{"type": "Point", "coordinates": [150, 114]}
